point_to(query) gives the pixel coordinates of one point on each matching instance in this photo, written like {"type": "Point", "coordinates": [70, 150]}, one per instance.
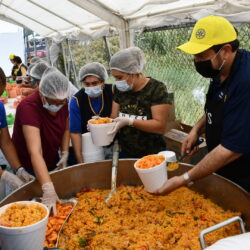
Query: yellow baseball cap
{"type": "Point", "coordinates": [207, 32]}
{"type": "Point", "coordinates": [11, 56]}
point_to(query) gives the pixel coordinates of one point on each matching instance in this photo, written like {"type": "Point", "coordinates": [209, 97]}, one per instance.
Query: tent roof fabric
{"type": "Point", "coordinates": [91, 19]}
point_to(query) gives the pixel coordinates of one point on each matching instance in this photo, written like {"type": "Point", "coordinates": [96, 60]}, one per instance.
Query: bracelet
{"type": "Point", "coordinates": [186, 177]}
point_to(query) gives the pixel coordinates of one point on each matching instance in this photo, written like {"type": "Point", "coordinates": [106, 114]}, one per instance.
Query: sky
{"type": "Point", "coordinates": [11, 42]}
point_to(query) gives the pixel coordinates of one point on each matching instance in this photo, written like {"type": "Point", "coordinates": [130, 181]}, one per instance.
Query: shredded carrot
{"type": "Point", "coordinates": [101, 120]}
{"type": "Point", "coordinates": [55, 222]}
{"type": "Point", "coordinates": [150, 161]}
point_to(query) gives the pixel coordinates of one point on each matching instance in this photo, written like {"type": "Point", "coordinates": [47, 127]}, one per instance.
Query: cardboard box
{"type": "Point", "coordinates": [174, 139]}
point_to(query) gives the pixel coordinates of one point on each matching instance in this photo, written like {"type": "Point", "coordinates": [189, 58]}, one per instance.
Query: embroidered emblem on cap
{"type": "Point", "coordinates": [200, 33]}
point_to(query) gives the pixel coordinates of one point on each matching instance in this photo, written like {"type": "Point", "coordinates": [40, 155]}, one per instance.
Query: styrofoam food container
{"type": "Point", "coordinates": [153, 178]}
{"type": "Point", "coordinates": [87, 144]}
{"type": "Point", "coordinates": [170, 155]}
{"type": "Point", "coordinates": [99, 133]}
{"type": "Point", "coordinates": [28, 237]}
{"type": "Point", "coordinates": [94, 156]}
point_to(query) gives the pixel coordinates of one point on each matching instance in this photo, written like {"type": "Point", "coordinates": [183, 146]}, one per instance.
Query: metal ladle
{"type": "Point", "coordinates": [115, 160]}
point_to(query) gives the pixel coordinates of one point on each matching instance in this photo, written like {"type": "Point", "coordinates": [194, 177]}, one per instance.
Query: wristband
{"type": "Point", "coordinates": [186, 177]}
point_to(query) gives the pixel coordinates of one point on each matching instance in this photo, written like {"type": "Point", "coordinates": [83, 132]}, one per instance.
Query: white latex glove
{"type": "Point", "coordinates": [24, 175]}
{"type": "Point", "coordinates": [12, 180]}
{"type": "Point", "coordinates": [49, 196]}
{"type": "Point", "coordinates": [63, 160]}
{"type": "Point", "coordinates": [120, 123]}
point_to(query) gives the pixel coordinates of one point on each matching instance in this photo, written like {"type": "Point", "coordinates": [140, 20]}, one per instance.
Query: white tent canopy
{"type": "Point", "coordinates": [91, 19]}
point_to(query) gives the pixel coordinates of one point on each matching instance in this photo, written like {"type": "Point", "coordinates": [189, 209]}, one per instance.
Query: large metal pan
{"type": "Point", "coordinates": [98, 175]}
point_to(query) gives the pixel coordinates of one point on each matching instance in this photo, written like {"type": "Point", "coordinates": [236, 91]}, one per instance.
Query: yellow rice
{"type": "Point", "coordinates": [136, 219]}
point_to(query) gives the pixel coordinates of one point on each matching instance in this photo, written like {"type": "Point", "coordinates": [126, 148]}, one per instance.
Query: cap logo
{"type": "Point", "coordinates": [200, 33]}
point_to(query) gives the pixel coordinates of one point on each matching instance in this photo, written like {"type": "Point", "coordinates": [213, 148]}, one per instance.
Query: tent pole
{"type": "Point", "coordinates": [72, 61]}
{"type": "Point", "coordinates": [64, 60]}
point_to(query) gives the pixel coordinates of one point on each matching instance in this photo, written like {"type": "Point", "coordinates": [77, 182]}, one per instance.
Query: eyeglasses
{"type": "Point", "coordinates": [89, 84]}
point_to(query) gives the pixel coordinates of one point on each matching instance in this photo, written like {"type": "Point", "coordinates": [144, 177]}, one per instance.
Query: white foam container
{"type": "Point", "coordinates": [153, 178]}
{"type": "Point", "coordinates": [99, 133]}
{"type": "Point", "coordinates": [170, 156]}
{"type": "Point", "coordinates": [87, 144]}
{"type": "Point", "coordinates": [94, 156]}
{"type": "Point", "coordinates": [24, 238]}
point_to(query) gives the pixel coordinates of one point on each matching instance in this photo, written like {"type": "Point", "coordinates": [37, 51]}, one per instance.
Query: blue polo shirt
{"type": "Point", "coordinates": [3, 121]}
{"type": "Point", "coordinates": [236, 122]}
{"type": "Point", "coordinates": [75, 121]}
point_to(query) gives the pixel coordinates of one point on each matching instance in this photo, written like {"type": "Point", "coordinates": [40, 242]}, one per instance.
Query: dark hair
{"type": "Point", "coordinates": [234, 44]}
{"type": "Point", "coordinates": [17, 59]}
{"type": "Point", "coordinates": [2, 77]}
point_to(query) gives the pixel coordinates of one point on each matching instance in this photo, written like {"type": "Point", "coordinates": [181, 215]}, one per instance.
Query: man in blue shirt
{"type": "Point", "coordinates": [226, 118]}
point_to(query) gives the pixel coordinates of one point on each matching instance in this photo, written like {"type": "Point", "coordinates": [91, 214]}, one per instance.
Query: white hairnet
{"type": "Point", "coordinates": [29, 68]}
{"type": "Point", "coordinates": [93, 69]}
{"type": "Point", "coordinates": [131, 60]}
{"type": "Point", "coordinates": [35, 59]}
{"type": "Point", "coordinates": [38, 70]}
{"type": "Point", "coordinates": [54, 84]}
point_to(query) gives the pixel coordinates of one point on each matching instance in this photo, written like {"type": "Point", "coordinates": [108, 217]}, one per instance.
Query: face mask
{"type": "Point", "coordinates": [93, 91]}
{"type": "Point", "coordinates": [206, 69]}
{"type": "Point", "coordinates": [123, 86]}
{"type": "Point", "coordinates": [52, 108]}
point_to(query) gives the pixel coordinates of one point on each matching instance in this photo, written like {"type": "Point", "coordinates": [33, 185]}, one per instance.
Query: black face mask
{"type": "Point", "coordinates": [206, 69]}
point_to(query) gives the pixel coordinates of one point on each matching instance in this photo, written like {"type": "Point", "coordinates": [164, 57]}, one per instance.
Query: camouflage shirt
{"type": "Point", "coordinates": [134, 142]}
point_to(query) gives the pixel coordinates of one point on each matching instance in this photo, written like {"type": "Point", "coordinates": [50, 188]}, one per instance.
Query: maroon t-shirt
{"type": "Point", "coordinates": [31, 112]}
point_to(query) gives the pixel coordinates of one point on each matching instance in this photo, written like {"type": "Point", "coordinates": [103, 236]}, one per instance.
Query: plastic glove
{"type": "Point", "coordinates": [49, 196]}
{"type": "Point", "coordinates": [63, 160]}
{"type": "Point", "coordinates": [12, 180]}
{"type": "Point", "coordinates": [24, 175]}
{"type": "Point", "coordinates": [120, 123]}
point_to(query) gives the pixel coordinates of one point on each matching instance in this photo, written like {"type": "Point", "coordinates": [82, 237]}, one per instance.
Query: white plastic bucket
{"type": "Point", "coordinates": [170, 155]}
{"type": "Point", "coordinates": [87, 144]}
{"type": "Point", "coordinates": [153, 178]}
{"type": "Point", "coordinates": [99, 133]}
{"type": "Point", "coordinates": [23, 238]}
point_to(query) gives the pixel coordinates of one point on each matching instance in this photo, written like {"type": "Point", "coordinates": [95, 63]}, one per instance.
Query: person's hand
{"type": "Point", "coordinates": [63, 160]}
{"type": "Point", "coordinates": [49, 196]}
{"type": "Point", "coordinates": [24, 175]}
{"type": "Point", "coordinates": [12, 180]}
{"type": "Point", "coordinates": [188, 142]}
{"type": "Point", "coordinates": [170, 185]}
{"type": "Point", "coordinates": [120, 123]}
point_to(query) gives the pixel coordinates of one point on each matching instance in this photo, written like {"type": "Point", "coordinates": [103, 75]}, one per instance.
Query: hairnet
{"type": "Point", "coordinates": [35, 59]}
{"type": "Point", "coordinates": [38, 70]}
{"type": "Point", "coordinates": [29, 68]}
{"type": "Point", "coordinates": [130, 60]}
{"type": "Point", "coordinates": [93, 69]}
{"type": "Point", "coordinates": [54, 84]}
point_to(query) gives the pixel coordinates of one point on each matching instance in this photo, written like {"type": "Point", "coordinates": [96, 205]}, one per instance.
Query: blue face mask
{"type": "Point", "coordinates": [123, 86]}
{"type": "Point", "coordinates": [93, 92]}
{"type": "Point", "coordinates": [52, 108]}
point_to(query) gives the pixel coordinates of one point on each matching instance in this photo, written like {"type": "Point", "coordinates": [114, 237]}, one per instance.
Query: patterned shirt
{"type": "Point", "coordinates": [135, 142]}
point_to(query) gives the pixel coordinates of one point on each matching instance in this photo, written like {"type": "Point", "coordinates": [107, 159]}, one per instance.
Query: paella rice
{"type": "Point", "coordinates": [101, 120]}
{"type": "Point", "coordinates": [150, 161]}
{"type": "Point", "coordinates": [21, 214]}
{"type": "Point", "coordinates": [135, 219]}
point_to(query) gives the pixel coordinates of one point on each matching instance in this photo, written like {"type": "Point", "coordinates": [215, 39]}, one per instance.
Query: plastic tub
{"type": "Point", "coordinates": [28, 237]}
{"type": "Point", "coordinates": [99, 133]}
{"type": "Point", "coordinates": [152, 178]}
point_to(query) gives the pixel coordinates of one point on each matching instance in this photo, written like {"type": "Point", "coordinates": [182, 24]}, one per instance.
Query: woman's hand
{"type": "Point", "coordinates": [120, 123]}
{"type": "Point", "coordinates": [12, 180]}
